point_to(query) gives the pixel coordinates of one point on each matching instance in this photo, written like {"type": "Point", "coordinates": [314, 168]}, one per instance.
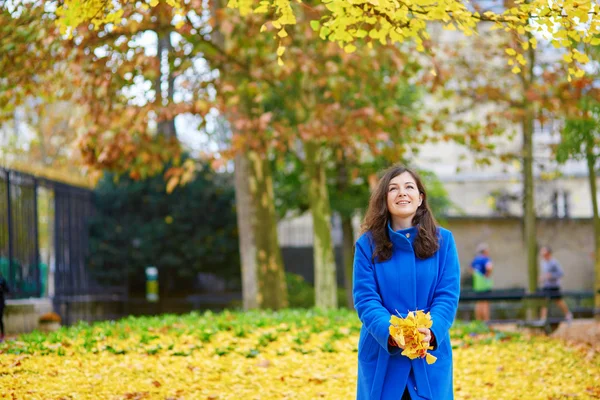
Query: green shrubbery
{"type": "Point", "coordinates": [301, 294]}
{"type": "Point", "coordinates": [191, 230]}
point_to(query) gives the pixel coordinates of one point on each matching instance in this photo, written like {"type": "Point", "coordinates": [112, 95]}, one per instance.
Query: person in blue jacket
{"type": "Point", "coordinates": [482, 267]}
{"type": "Point", "coordinates": [404, 262]}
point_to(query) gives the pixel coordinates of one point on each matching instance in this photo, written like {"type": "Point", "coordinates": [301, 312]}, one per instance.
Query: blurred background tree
{"type": "Point", "coordinates": [191, 230]}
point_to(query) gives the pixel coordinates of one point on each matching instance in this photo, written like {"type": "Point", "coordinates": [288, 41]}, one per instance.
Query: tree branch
{"type": "Point", "coordinates": [246, 67]}
{"type": "Point", "coordinates": [425, 10]}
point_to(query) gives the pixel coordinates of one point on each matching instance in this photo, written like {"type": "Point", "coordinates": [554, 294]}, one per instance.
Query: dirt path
{"type": "Point", "coordinates": [580, 332]}
{"type": "Point", "coordinates": [583, 333]}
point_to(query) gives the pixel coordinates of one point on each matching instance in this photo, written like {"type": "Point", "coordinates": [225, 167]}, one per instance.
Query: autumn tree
{"type": "Point", "coordinates": [504, 81]}
{"type": "Point", "coordinates": [31, 46]}
{"type": "Point", "coordinates": [96, 74]}
{"type": "Point", "coordinates": [312, 120]}
{"type": "Point", "coordinates": [241, 89]}
{"type": "Point", "coordinates": [42, 142]}
{"type": "Point", "coordinates": [317, 106]}
{"type": "Point", "coordinates": [580, 140]}
{"type": "Point", "coordinates": [327, 105]}
{"type": "Point", "coordinates": [133, 128]}
{"type": "Point", "coordinates": [386, 21]}
{"type": "Point", "coordinates": [130, 78]}
{"type": "Point", "coordinates": [38, 121]}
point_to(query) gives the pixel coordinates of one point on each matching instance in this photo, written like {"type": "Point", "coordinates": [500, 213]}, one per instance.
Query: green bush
{"type": "Point", "coordinates": [191, 230]}
{"type": "Point", "coordinates": [301, 294]}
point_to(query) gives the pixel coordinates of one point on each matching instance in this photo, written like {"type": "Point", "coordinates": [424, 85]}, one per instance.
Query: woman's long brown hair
{"type": "Point", "coordinates": [376, 219]}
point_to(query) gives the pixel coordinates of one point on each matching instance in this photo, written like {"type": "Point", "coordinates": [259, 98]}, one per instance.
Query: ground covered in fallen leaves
{"type": "Point", "coordinates": [296, 354]}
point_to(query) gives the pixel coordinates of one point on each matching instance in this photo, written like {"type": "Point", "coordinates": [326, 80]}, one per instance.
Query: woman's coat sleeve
{"type": "Point", "coordinates": [367, 300]}
{"type": "Point", "coordinates": [447, 292]}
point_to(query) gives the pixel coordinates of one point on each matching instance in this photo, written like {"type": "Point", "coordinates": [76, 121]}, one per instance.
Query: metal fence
{"type": "Point", "coordinates": [76, 294]}
{"type": "Point", "coordinates": [19, 250]}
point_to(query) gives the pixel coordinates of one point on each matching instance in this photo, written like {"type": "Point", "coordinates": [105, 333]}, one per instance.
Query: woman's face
{"type": "Point", "coordinates": [403, 197]}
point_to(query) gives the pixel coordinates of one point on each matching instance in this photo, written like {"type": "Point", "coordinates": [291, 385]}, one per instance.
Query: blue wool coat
{"type": "Point", "coordinates": [404, 283]}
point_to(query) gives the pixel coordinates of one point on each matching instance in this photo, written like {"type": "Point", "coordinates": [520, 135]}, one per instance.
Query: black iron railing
{"type": "Point", "coordinates": [70, 208]}
{"type": "Point", "coordinates": [19, 248]}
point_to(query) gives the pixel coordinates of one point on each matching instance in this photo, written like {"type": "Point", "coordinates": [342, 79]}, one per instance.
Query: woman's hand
{"type": "Point", "coordinates": [392, 342]}
{"type": "Point", "coordinates": [427, 339]}
{"type": "Point", "coordinates": [428, 335]}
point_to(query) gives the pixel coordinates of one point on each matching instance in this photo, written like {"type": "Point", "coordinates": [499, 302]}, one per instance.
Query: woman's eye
{"type": "Point", "coordinates": [393, 188]}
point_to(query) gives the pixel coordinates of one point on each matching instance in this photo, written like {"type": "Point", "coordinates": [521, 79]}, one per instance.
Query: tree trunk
{"type": "Point", "coordinates": [529, 217]}
{"type": "Point", "coordinates": [591, 161]}
{"type": "Point", "coordinates": [158, 82]}
{"type": "Point", "coordinates": [169, 125]}
{"type": "Point", "coordinates": [263, 275]}
{"type": "Point", "coordinates": [348, 248]}
{"type": "Point", "coordinates": [166, 128]}
{"type": "Point", "coordinates": [272, 289]}
{"type": "Point", "coordinates": [318, 198]}
{"type": "Point", "coordinates": [343, 181]}
{"type": "Point", "coordinates": [245, 215]}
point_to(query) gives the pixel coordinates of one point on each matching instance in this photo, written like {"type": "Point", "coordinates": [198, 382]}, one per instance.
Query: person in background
{"type": "Point", "coordinates": [3, 289]}
{"type": "Point", "coordinates": [481, 267]}
{"type": "Point", "coordinates": [550, 274]}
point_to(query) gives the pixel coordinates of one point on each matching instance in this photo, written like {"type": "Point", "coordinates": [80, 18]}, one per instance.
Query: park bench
{"type": "Point", "coordinates": [520, 295]}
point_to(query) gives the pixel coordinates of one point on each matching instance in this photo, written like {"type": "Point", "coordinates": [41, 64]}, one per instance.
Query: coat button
{"type": "Point", "coordinates": [408, 235]}
{"type": "Point", "coordinates": [415, 388]}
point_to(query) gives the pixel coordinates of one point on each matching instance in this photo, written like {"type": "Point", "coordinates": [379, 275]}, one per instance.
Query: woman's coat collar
{"type": "Point", "coordinates": [403, 238]}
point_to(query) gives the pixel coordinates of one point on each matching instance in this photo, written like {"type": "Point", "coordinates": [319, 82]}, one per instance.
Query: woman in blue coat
{"type": "Point", "coordinates": [404, 262]}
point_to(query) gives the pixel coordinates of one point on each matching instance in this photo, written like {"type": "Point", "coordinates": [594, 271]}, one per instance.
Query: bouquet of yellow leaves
{"type": "Point", "coordinates": [405, 332]}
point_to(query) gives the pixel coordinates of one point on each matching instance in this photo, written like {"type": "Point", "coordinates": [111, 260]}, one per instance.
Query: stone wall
{"type": "Point", "coordinates": [21, 316]}
{"type": "Point", "coordinates": [570, 239]}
